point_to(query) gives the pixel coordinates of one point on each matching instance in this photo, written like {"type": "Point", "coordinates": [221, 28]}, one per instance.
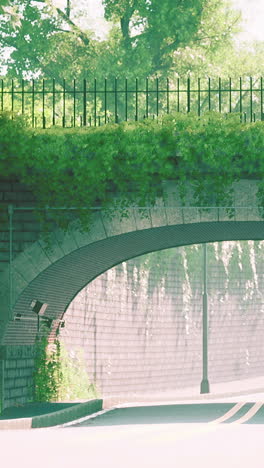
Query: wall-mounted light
{"type": "Point", "coordinates": [39, 308]}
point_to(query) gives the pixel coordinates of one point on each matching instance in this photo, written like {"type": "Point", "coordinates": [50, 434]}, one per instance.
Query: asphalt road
{"type": "Point", "coordinates": [214, 434]}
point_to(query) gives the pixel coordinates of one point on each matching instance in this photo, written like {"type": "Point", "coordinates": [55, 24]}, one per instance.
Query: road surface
{"type": "Point", "coordinates": [223, 433]}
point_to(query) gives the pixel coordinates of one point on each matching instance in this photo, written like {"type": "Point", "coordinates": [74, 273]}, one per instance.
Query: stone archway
{"type": "Point", "coordinates": [55, 275]}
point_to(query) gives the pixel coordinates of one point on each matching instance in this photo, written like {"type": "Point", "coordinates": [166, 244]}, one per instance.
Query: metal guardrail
{"type": "Point", "coordinates": [48, 103]}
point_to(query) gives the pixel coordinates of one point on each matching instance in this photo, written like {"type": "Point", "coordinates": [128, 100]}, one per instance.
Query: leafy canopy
{"type": "Point", "coordinates": [144, 37]}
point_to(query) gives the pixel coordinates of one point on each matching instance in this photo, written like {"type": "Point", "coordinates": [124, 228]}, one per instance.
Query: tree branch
{"type": "Point", "coordinates": [125, 20]}
{"type": "Point", "coordinates": [85, 39]}
{"type": "Point", "coordinates": [38, 63]}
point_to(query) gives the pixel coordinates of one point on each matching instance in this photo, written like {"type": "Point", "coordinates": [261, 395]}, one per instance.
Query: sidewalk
{"type": "Point", "coordinates": [36, 415]}
{"type": "Point", "coordinates": [218, 390]}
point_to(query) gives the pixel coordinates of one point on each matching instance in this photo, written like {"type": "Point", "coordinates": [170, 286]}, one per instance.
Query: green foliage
{"type": "Point", "coordinates": [58, 375]}
{"type": "Point", "coordinates": [154, 39]}
{"type": "Point", "coordinates": [133, 160]}
{"type": "Point", "coordinates": [151, 32]}
{"type": "Point", "coordinates": [144, 40]}
{"type": "Point", "coordinates": [10, 13]}
{"type": "Point", "coordinates": [235, 263]}
{"type": "Point", "coordinates": [13, 140]}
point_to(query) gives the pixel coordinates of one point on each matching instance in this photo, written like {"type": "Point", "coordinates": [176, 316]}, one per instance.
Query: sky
{"type": "Point", "coordinates": [253, 15]}
{"type": "Point", "coordinates": [252, 11]}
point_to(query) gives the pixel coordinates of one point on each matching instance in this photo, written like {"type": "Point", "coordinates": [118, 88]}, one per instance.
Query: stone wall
{"type": "Point", "coordinates": [140, 323]}
{"type": "Point", "coordinates": [17, 367]}
{"type": "Point", "coordinates": [25, 226]}
{"type": "Point", "coordinates": [139, 330]}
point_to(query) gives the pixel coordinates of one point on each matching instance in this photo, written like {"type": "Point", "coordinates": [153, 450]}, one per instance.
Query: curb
{"type": "Point", "coordinates": [54, 419]}
{"type": "Point", "coordinates": [93, 408]}
{"type": "Point", "coordinates": [117, 402]}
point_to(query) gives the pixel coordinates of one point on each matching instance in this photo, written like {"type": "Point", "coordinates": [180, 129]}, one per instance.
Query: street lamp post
{"type": "Point", "coordinates": [205, 388]}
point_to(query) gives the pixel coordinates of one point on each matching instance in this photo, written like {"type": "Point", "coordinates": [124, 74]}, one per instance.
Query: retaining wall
{"type": "Point", "coordinates": [17, 365]}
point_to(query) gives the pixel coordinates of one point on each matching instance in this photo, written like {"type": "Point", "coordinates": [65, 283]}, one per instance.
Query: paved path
{"type": "Point", "coordinates": [33, 409]}
{"type": "Point", "coordinates": [191, 413]}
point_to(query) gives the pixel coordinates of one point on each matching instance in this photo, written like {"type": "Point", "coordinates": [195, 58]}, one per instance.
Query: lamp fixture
{"type": "Point", "coordinates": [38, 307]}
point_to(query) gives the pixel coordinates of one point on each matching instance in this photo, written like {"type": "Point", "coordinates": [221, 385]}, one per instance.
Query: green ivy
{"type": "Point", "coordinates": [159, 265]}
{"type": "Point", "coordinates": [59, 376]}
{"type": "Point", "coordinates": [85, 166]}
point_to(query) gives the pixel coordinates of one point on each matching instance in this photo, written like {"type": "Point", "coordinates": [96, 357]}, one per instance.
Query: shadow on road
{"type": "Point", "coordinates": [182, 413]}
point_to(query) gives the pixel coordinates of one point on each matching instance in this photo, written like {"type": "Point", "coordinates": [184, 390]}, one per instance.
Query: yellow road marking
{"type": "Point", "coordinates": [229, 414]}
{"type": "Point", "coordinates": [249, 413]}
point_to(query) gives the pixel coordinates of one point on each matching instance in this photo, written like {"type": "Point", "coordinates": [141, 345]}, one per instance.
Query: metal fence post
{"type": "Point", "coordinates": [205, 383]}
{"type": "Point", "coordinates": [136, 116]}
{"type": "Point", "coordinates": [2, 95]}
{"type": "Point", "coordinates": [53, 101]}
{"type": "Point", "coordinates": [84, 104]}
{"type": "Point", "coordinates": [147, 98]}
{"type": "Point", "coordinates": [12, 98]}
{"type": "Point", "coordinates": [105, 99]}
{"type": "Point", "coordinates": [33, 104]}
{"type": "Point", "coordinates": [251, 99]}
{"type": "Point", "coordinates": [95, 102]}
{"type": "Point", "coordinates": [43, 105]}
{"type": "Point", "coordinates": [227, 97]}
{"type": "Point", "coordinates": [188, 94]}
{"type": "Point", "coordinates": [23, 97]}
{"type": "Point", "coordinates": [168, 96]}
{"type": "Point", "coordinates": [115, 91]}
{"type": "Point", "coordinates": [199, 97]}
{"type": "Point", "coordinates": [209, 93]}
{"type": "Point", "coordinates": [64, 104]}
{"type": "Point", "coordinates": [261, 99]}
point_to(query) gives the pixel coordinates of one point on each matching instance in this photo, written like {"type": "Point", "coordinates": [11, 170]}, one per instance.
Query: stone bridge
{"type": "Point", "coordinates": [54, 274]}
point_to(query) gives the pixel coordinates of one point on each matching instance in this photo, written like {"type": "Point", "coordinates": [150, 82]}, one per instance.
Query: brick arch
{"type": "Point", "coordinates": [55, 276]}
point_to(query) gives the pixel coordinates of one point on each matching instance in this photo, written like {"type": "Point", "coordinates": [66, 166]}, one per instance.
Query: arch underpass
{"type": "Point", "coordinates": [55, 274]}
{"type": "Point", "coordinates": [58, 284]}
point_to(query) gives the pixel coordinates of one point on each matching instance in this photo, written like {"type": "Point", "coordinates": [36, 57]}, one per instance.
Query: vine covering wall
{"type": "Point", "coordinates": [140, 323]}
{"type": "Point", "coordinates": [132, 159]}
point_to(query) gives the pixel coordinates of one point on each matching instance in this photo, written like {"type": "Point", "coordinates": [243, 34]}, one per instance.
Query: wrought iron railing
{"type": "Point", "coordinates": [48, 103]}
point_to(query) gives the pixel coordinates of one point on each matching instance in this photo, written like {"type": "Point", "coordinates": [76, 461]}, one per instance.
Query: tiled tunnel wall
{"type": "Point", "coordinates": [140, 323]}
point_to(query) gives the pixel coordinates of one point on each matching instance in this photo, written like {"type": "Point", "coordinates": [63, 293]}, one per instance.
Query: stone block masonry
{"type": "Point", "coordinates": [16, 372]}
{"type": "Point", "coordinates": [25, 226]}
{"type": "Point", "coordinates": [138, 332]}
{"type": "Point", "coordinates": [139, 323]}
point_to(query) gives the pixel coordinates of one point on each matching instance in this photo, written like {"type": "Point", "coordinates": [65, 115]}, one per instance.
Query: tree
{"type": "Point", "coordinates": [145, 35]}
{"type": "Point", "coordinates": [45, 37]}
{"type": "Point", "coordinates": [158, 29]}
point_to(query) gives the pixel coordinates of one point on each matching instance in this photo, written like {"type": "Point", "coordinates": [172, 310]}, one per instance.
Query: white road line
{"type": "Point", "coordinates": [229, 414]}
{"type": "Point", "coordinates": [249, 413]}
{"type": "Point", "coordinates": [85, 418]}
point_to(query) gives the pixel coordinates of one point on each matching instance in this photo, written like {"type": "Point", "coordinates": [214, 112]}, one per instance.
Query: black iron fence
{"type": "Point", "coordinates": [48, 103]}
